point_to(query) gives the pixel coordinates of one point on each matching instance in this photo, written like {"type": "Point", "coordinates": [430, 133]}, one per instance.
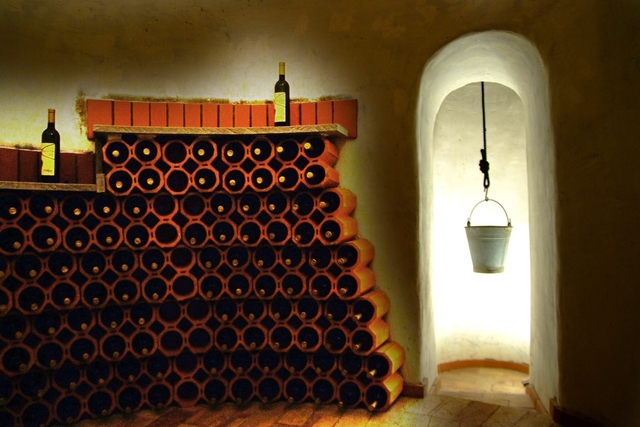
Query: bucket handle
{"type": "Point", "coordinates": [489, 200]}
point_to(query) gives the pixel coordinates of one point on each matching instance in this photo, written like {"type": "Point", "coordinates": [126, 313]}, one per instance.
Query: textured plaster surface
{"type": "Point", "coordinates": [376, 51]}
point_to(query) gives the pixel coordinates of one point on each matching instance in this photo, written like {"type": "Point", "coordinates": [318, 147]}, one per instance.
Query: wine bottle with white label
{"type": "Point", "coordinates": [281, 100]}
{"type": "Point", "coordinates": [50, 151]}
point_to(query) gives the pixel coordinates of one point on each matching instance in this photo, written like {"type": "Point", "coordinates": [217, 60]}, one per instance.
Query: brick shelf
{"type": "Point", "coordinates": [328, 130]}
{"type": "Point", "coordinates": [42, 186]}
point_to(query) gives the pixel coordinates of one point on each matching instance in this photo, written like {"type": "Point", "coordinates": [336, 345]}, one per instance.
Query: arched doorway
{"type": "Point", "coordinates": [510, 60]}
{"type": "Point", "coordinates": [480, 316]}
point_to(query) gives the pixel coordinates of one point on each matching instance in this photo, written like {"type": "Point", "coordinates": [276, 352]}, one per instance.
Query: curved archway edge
{"type": "Point", "coordinates": [513, 61]}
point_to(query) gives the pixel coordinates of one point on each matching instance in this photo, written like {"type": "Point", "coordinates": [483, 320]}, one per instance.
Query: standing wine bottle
{"type": "Point", "coordinates": [281, 100]}
{"type": "Point", "coordinates": [50, 150]}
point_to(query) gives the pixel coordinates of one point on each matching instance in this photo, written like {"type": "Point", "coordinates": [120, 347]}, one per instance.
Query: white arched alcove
{"type": "Point", "coordinates": [512, 61]}
{"type": "Point", "coordinates": [480, 316]}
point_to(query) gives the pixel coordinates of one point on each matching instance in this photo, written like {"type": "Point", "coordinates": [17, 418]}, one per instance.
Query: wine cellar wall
{"type": "Point", "coordinates": [213, 269]}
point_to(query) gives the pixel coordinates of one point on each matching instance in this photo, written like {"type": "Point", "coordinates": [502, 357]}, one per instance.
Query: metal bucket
{"type": "Point", "coordinates": [488, 244]}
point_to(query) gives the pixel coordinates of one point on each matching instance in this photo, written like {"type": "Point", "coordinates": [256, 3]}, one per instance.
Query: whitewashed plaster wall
{"type": "Point", "coordinates": [480, 316]}
{"type": "Point", "coordinates": [55, 51]}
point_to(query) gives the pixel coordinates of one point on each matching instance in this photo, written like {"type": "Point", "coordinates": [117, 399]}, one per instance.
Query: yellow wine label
{"type": "Point", "coordinates": [280, 101]}
{"type": "Point", "coordinates": [48, 156]}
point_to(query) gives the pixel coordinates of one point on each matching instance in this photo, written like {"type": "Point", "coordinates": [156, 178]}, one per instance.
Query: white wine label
{"type": "Point", "coordinates": [48, 156]}
{"type": "Point", "coordinates": [280, 101]}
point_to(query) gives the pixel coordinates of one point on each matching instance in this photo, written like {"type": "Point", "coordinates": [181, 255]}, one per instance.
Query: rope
{"type": "Point", "coordinates": [484, 164]}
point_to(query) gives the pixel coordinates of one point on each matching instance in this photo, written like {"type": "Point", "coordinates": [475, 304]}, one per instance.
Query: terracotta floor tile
{"type": "Point", "coordinates": [389, 418]}
{"type": "Point", "coordinates": [505, 417]}
{"type": "Point", "coordinates": [413, 420]}
{"type": "Point", "coordinates": [297, 415]}
{"type": "Point", "coordinates": [266, 415]}
{"type": "Point", "coordinates": [477, 412]}
{"type": "Point", "coordinates": [354, 418]}
{"type": "Point", "coordinates": [236, 422]}
{"type": "Point", "coordinates": [216, 416]}
{"type": "Point", "coordinates": [535, 420]}
{"type": "Point", "coordinates": [329, 410]}
{"type": "Point", "coordinates": [423, 406]}
{"type": "Point", "coordinates": [451, 409]}
{"type": "Point", "coordinates": [318, 420]}
{"type": "Point", "coordinates": [443, 422]}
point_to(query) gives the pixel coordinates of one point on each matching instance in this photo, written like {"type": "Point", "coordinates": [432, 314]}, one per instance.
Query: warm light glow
{"type": "Point", "coordinates": [479, 316]}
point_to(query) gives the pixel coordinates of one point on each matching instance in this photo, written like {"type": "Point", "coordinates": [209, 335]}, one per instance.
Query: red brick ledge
{"type": "Point", "coordinates": [20, 165]}
{"type": "Point", "coordinates": [176, 114]}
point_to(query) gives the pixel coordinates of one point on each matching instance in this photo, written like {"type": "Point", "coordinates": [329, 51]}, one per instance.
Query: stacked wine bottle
{"type": "Point", "coordinates": [210, 271]}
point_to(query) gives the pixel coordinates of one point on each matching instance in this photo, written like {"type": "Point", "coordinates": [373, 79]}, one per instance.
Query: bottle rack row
{"type": "Point", "coordinates": [60, 280]}
{"type": "Point", "coordinates": [266, 285]}
{"type": "Point", "coordinates": [30, 267]}
{"type": "Point", "coordinates": [75, 223]}
{"type": "Point", "coordinates": [73, 392]}
{"type": "Point", "coordinates": [80, 335]}
{"type": "Point", "coordinates": [25, 211]}
{"type": "Point", "coordinates": [177, 166]}
{"type": "Point", "coordinates": [157, 365]}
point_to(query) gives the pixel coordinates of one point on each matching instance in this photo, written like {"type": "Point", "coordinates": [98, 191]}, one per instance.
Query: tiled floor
{"type": "Point", "coordinates": [490, 385]}
{"type": "Point", "coordinates": [471, 397]}
{"type": "Point", "coordinates": [432, 411]}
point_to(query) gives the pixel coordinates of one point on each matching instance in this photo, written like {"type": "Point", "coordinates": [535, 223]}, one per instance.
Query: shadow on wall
{"type": "Point", "coordinates": [510, 60]}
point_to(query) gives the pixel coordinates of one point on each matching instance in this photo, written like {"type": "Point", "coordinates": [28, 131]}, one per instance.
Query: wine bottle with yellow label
{"type": "Point", "coordinates": [50, 151]}
{"type": "Point", "coordinates": [281, 100]}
